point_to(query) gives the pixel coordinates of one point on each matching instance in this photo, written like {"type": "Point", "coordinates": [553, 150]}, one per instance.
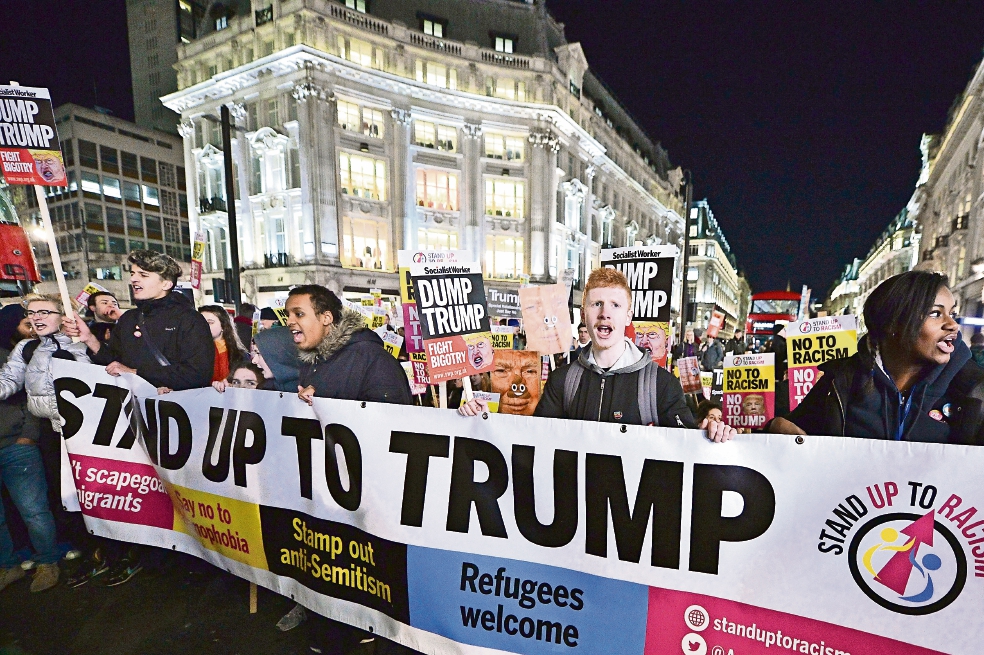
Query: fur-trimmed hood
{"type": "Point", "coordinates": [338, 337]}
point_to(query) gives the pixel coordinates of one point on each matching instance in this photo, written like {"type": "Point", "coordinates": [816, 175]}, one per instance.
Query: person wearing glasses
{"type": "Point", "coordinates": [29, 369]}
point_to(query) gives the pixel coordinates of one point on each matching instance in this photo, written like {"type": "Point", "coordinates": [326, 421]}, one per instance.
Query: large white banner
{"type": "Point", "coordinates": [530, 535]}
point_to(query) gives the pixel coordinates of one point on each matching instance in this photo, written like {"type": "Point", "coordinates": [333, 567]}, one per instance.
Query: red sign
{"type": "Point", "coordinates": [29, 148]}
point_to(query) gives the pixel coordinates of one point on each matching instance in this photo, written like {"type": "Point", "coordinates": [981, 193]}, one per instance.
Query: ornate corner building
{"type": "Point", "coordinates": [368, 126]}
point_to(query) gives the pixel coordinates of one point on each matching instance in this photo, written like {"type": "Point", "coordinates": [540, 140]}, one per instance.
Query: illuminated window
{"type": "Point", "coordinates": [111, 188]}
{"type": "Point", "coordinates": [372, 123]}
{"type": "Point", "coordinates": [506, 88]}
{"type": "Point", "coordinates": [500, 146]}
{"type": "Point", "coordinates": [433, 28]}
{"type": "Point", "coordinates": [150, 196]}
{"type": "Point", "coordinates": [503, 257]}
{"type": "Point", "coordinates": [358, 5]}
{"type": "Point", "coordinates": [358, 52]}
{"type": "Point", "coordinates": [363, 176]}
{"type": "Point", "coordinates": [503, 44]}
{"type": "Point", "coordinates": [348, 115]}
{"type": "Point", "coordinates": [431, 135]}
{"type": "Point", "coordinates": [437, 190]}
{"type": "Point", "coordinates": [436, 240]}
{"type": "Point", "coordinates": [437, 74]}
{"type": "Point", "coordinates": [504, 198]}
{"type": "Point", "coordinates": [365, 244]}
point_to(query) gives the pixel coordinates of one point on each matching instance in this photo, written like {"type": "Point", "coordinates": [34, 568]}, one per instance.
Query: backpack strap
{"type": "Point", "coordinates": [28, 353]}
{"type": "Point", "coordinates": [571, 383]}
{"type": "Point", "coordinates": [647, 394]}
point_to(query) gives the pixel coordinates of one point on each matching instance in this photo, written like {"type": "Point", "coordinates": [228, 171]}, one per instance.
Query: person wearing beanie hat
{"type": "Point", "coordinates": [268, 318]}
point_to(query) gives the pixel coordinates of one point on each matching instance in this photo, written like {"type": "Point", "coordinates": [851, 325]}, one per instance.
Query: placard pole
{"type": "Point", "coordinates": [443, 391]}
{"type": "Point", "coordinates": [466, 385]}
{"type": "Point", "coordinates": [49, 236]}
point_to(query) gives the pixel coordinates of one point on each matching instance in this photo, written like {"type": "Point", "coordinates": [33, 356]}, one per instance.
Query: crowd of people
{"type": "Point", "coordinates": [910, 362]}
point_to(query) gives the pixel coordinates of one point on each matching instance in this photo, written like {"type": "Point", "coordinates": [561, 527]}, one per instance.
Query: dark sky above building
{"type": "Point", "coordinates": [800, 121]}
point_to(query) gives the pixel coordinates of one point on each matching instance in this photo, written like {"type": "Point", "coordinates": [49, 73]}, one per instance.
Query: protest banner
{"type": "Point", "coordinates": [546, 318]}
{"type": "Point", "coordinates": [649, 270]}
{"type": "Point", "coordinates": [420, 373]}
{"type": "Point", "coordinates": [811, 343]}
{"type": "Point", "coordinates": [453, 317]}
{"type": "Point", "coordinates": [411, 328]}
{"type": "Point", "coordinates": [765, 544]}
{"type": "Point", "coordinates": [715, 324]}
{"type": "Point", "coordinates": [406, 258]}
{"type": "Point", "coordinates": [749, 390]}
{"type": "Point", "coordinates": [29, 149]}
{"type": "Point", "coordinates": [281, 313]}
{"type": "Point", "coordinates": [416, 388]}
{"type": "Point", "coordinates": [516, 378]}
{"type": "Point", "coordinates": [83, 296]}
{"type": "Point", "coordinates": [197, 260]}
{"type": "Point", "coordinates": [392, 342]}
{"type": "Point", "coordinates": [503, 303]}
{"type": "Point", "coordinates": [491, 399]}
{"type": "Point", "coordinates": [689, 370]}
{"type": "Point", "coordinates": [503, 337]}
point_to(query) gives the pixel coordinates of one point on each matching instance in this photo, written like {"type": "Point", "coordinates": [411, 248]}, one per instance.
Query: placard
{"type": "Point", "coordinates": [29, 149]}
{"type": "Point", "coordinates": [546, 318]}
{"type": "Point", "coordinates": [749, 390]}
{"type": "Point", "coordinates": [811, 343]}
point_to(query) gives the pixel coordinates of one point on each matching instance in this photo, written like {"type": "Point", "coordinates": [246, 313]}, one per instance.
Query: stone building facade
{"type": "Point", "coordinates": [366, 128]}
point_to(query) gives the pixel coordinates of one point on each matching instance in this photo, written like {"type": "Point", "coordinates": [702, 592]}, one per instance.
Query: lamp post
{"type": "Point", "coordinates": [688, 195]}
{"type": "Point", "coordinates": [230, 185]}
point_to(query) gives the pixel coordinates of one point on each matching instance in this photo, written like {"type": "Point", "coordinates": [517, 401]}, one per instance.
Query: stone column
{"type": "Point", "coordinates": [472, 189]}
{"type": "Point", "coordinates": [186, 129]}
{"type": "Point", "coordinates": [401, 202]}
{"type": "Point", "coordinates": [587, 208]}
{"type": "Point", "coordinates": [319, 167]}
{"type": "Point", "coordinates": [543, 197]}
{"type": "Point", "coordinates": [244, 215]}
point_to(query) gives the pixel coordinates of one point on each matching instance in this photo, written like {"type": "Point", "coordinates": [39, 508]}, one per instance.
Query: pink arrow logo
{"type": "Point", "coordinates": [895, 574]}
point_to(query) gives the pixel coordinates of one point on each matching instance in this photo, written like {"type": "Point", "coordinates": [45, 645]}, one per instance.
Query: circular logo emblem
{"type": "Point", "coordinates": [693, 644]}
{"type": "Point", "coordinates": [419, 258]}
{"type": "Point", "coordinates": [696, 618]}
{"type": "Point", "coordinates": [907, 563]}
{"type": "Point", "coordinates": [805, 327]}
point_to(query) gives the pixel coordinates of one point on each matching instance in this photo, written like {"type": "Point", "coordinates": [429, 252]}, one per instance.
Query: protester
{"type": "Point", "coordinates": [686, 349]}
{"type": "Point", "coordinates": [229, 350]}
{"type": "Point", "coordinates": [710, 410]}
{"type": "Point", "coordinates": [616, 382]}
{"type": "Point", "coordinates": [736, 344]}
{"type": "Point", "coordinates": [275, 353]}
{"type": "Point", "coordinates": [340, 358]}
{"type": "Point", "coordinates": [105, 311]}
{"type": "Point", "coordinates": [244, 375]}
{"type": "Point", "coordinates": [711, 353]}
{"type": "Point", "coordinates": [244, 322]}
{"type": "Point", "coordinates": [28, 368]}
{"type": "Point", "coordinates": [912, 379]}
{"type": "Point", "coordinates": [977, 348]}
{"type": "Point", "coordinates": [163, 340]}
{"type": "Point", "coordinates": [22, 474]}
{"type": "Point", "coordinates": [268, 318]}
{"type": "Point", "coordinates": [777, 346]}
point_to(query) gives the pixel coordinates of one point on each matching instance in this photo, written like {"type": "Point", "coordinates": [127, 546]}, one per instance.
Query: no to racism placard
{"type": "Point", "coordinates": [537, 536]}
{"type": "Point", "coordinates": [811, 343]}
{"type": "Point", "coordinates": [29, 148]}
{"type": "Point", "coordinates": [649, 271]}
{"type": "Point", "coordinates": [749, 390]}
{"type": "Point", "coordinates": [453, 318]}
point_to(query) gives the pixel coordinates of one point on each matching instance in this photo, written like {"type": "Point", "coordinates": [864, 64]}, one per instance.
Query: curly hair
{"type": "Point", "coordinates": [156, 262]}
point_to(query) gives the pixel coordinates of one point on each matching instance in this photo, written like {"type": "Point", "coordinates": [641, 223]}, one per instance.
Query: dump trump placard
{"type": "Point", "coordinates": [749, 390]}
{"type": "Point", "coordinates": [453, 318]}
{"type": "Point", "coordinates": [29, 148]}
{"type": "Point", "coordinates": [649, 271]}
{"type": "Point", "coordinates": [811, 343]}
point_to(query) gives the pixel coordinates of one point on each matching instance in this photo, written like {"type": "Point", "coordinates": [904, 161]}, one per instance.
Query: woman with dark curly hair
{"type": "Point", "coordinates": [229, 351]}
{"type": "Point", "coordinates": [912, 378]}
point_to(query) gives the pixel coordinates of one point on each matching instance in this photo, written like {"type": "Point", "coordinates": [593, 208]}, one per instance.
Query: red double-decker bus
{"type": "Point", "coordinates": [18, 270]}
{"type": "Point", "coordinates": [767, 308]}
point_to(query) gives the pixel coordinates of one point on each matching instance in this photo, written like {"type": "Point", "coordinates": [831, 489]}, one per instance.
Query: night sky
{"type": "Point", "coordinates": [801, 125]}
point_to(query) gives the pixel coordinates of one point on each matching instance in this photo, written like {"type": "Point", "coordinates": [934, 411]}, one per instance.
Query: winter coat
{"type": "Point", "coordinates": [35, 376]}
{"type": "Point", "coordinates": [977, 352]}
{"type": "Point", "coordinates": [613, 396]}
{"type": "Point", "coordinates": [279, 351]}
{"type": "Point", "coordinates": [351, 364]}
{"type": "Point", "coordinates": [857, 398]}
{"type": "Point", "coordinates": [684, 349]}
{"type": "Point", "coordinates": [712, 356]}
{"type": "Point", "coordinates": [735, 346]}
{"type": "Point", "coordinates": [181, 335]}
{"type": "Point", "coordinates": [13, 415]}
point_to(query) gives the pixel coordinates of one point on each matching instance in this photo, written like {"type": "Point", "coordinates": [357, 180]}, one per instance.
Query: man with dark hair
{"type": "Point", "coordinates": [244, 323]}
{"type": "Point", "coordinates": [105, 310]}
{"type": "Point", "coordinates": [164, 340]}
{"type": "Point", "coordinates": [340, 358]}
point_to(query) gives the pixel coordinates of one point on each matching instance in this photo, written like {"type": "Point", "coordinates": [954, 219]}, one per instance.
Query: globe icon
{"type": "Point", "coordinates": [695, 618]}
